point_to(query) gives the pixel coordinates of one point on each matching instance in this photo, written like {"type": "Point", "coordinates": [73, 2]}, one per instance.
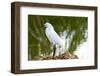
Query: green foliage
{"type": "Point", "coordinates": [37, 39]}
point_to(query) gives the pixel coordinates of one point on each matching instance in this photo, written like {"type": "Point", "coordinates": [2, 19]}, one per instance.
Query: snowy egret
{"type": "Point", "coordinates": [53, 37]}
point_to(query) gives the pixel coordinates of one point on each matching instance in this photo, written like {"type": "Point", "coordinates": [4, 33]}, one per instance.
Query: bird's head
{"type": "Point", "coordinates": [48, 25]}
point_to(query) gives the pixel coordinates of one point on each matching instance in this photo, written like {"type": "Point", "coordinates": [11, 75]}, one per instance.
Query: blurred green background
{"type": "Point", "coordinates": [38, 42]}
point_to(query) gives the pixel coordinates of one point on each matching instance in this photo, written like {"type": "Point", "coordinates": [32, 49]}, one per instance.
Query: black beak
{"type": "Point", "coordinates": [43, 26]}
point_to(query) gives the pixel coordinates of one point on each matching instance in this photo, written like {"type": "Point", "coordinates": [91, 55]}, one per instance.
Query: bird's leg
{"type": "Point", "coordinates": [54, 51]}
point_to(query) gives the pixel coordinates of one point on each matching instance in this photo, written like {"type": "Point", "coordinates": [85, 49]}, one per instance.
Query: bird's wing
{"type": "Point", "coordinates": [53, 37]}
{"type": "Point", "coordinates": [57, 38]}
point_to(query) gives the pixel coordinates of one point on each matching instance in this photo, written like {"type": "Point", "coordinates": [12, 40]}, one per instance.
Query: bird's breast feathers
{"type": "Point", "coordinates": [53, 37]}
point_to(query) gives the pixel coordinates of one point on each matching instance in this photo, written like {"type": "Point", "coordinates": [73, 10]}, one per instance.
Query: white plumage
{"type": "Point", "coordinates": [52, 36]}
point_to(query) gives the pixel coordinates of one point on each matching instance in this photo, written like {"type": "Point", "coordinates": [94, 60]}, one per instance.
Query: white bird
{"type": "Point", "coordinates": [53, 37]}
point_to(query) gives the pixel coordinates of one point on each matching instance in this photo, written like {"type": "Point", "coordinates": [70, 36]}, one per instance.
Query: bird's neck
{"type": "Point", "coordinates": [50, 28]}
